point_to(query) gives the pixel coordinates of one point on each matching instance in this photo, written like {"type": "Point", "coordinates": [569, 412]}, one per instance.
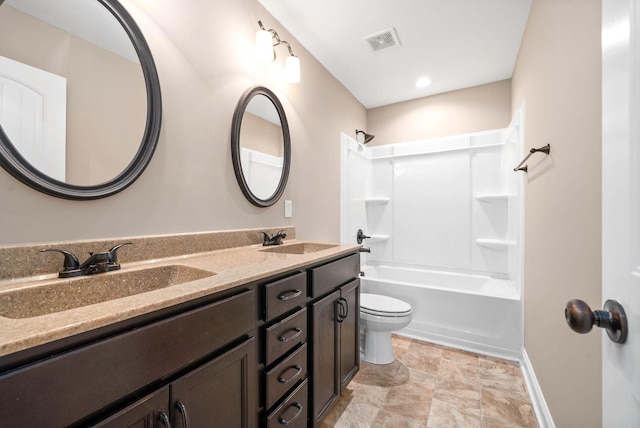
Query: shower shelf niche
{"type": "Point", "coordinates": [376, 201]}
{"type": "Point", "coordinates": [378, 238]}
{"type": "Point", "coordinates": [493, 197]}
{"type": "Point", "coordinates": [495, 244]}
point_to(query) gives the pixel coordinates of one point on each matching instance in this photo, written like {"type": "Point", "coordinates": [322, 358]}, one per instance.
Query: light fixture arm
{"type": "Point", "coordinates": [275, 35]}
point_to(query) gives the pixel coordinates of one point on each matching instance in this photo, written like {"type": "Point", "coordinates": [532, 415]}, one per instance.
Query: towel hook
{"type": "Point", "coordinates": [546, 150]}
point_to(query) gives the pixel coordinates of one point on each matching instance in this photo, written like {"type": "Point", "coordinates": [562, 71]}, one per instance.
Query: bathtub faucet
{"type": "Point", "coordinates": [361, 236]}
{"type": "Point", "coordinates": [364, 250]}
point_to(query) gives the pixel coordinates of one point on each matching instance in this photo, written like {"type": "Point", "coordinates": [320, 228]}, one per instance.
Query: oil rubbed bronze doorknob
{"type": "Point", "coordinates": [581, 319]}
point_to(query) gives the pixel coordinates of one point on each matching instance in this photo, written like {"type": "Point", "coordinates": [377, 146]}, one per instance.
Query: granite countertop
{"type": "Point", "coordinates": [232, 267]}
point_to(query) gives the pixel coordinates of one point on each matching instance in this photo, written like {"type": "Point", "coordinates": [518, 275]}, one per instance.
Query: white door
{"type": "Point", "coordinates": [33, 115]}
{"type": "Point", "coordinates": [621, 206]}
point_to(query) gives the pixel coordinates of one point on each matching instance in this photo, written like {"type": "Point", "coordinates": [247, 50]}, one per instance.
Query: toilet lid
{"type": "Point", "coordinates": [375, 303]}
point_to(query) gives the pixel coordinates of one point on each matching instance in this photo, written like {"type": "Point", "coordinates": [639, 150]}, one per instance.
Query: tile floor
{"type": "Point", "coordinates": [434, 386]}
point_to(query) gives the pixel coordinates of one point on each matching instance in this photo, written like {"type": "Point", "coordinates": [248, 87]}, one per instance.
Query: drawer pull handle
{"type": "Point", "coordinates": [288, 295]}
{"type": "Point", "coordinates": [183, 411]}
{"type": "Point", "coordinates": [284, 421]}
{"type": "Point", "coordinates": [296, 332]}
{"type": "Point", "coordinates": [297, 373]}
{"type": "Point", "coordinates": [164, 419]}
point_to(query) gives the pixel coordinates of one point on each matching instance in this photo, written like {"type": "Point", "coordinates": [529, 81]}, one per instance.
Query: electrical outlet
{"type": "Point", "coordinates": [288, 209]}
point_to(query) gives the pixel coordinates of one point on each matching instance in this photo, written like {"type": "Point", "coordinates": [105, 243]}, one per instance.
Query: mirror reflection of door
{"type": "Point", "coordinates": [33, 115]}
{"type": "Point", "coordinates": [106, 95]}
{"type": "Point", "coordinates": [261, 147]}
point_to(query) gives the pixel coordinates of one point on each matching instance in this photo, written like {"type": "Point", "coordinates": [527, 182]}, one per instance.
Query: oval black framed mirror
{"type": "Point", "coordinates": [96, 127]}
{"type": "Point", "coordinates": [260, 146]}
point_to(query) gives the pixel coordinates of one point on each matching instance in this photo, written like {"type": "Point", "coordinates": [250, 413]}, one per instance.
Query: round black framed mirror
{"type": "Point", "coordinates": [260, 146]}
{"type": "Point", "coordinates": [110, 112]}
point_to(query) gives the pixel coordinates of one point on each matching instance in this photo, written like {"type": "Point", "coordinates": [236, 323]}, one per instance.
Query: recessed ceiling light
{"type": "Point", "coordinates": [423, 82]}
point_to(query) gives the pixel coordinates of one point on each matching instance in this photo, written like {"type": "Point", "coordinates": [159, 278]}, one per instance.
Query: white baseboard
{"type": "Point", "coordinates": [540, 409]}
{"type": "Point", "coordinates": [458, 343]}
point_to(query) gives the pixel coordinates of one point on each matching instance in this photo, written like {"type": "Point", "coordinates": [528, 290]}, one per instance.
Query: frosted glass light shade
{"type": "Point", "coordinates": [264, 46]}
{"type": "Point", "coordinates": [292, 69]}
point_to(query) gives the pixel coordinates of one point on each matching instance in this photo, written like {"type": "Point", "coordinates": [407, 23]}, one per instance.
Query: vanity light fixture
{"type": "Point", "coordinates": [365, 138]}
{"type": "Point", "coordinates": [266, 53]}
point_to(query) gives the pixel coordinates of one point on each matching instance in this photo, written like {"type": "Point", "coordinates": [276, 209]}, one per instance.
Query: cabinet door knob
{"type": "Point", "coordinates": [296, 332]}
{"type": "Point", "coordinates": [183, 412]}
{"type": "Point", "coordinates": [291, 294]}
{"type": "Point", "coordinates": [613, 318]}
{"type": "Point", "coordinates": [295, 375]}
{"type": "Point", "coordinates": [164, 419]}
{"type": "Point", "coordinates": [343, 309]}
{"type": "Point", "coordinates": [284, 421]}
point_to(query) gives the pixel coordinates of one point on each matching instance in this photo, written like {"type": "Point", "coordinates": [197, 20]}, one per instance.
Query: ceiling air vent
{"type": "Point", "coordinates": [383, 40]}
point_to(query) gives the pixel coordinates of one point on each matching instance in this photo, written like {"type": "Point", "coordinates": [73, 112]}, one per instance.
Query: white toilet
{"type": "Point", "coordinates": [379, 316]}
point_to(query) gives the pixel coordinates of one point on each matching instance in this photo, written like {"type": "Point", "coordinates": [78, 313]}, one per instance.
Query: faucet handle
{"type": "Point", "coordinates": [279, 237]}
{"type": "Point", "coordinates": [360, 236]}
{"type": "Point", "coordinates": [112, 263]}
{"type": "Point", "coordinates": [266, 238]}
{"type": "Point", "coordinates": [71, 262]}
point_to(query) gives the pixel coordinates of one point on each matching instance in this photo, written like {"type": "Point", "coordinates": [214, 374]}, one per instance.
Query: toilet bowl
{"type": "Point", "coordinates": [379, 316]}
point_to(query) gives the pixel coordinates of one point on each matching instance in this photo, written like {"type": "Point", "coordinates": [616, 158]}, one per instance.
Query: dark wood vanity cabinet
{"type": "Point", "coordinates": [215, 394]}
{"type": "Point", "coordinates": [270, 353]}
{"type": "Point", "coordinates": [334, 338]}
{"type": "Point", "coordinates": [203, 358]}
{"type": "Point", "coordinates": [284, 378]}
{"type": "Point", "coordinates": [151, 411]}
{"type": "Point", "coordinates": [311, 346]}
{"type": "Point", "coordinates": [349, 332]}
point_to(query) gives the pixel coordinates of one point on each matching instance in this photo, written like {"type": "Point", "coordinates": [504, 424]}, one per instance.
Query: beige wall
{"type": "Point", "coordinates": [203, 50]}
{"type": "Point", "coordinates": [558, 77]}
{"type": "Point", "coordinates": [479, 108]}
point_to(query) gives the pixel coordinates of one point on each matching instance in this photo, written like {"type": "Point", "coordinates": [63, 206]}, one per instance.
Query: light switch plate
{"type": "Point", "coordinates": [288, 209]}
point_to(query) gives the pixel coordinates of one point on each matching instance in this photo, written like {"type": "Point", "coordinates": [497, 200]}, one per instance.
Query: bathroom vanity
{"type": "Point", "coordinates": [270, 338]}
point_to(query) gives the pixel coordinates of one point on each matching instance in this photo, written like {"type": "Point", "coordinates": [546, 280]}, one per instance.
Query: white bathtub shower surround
{"type": "Point", "coordinates": [438, 206]}
{"type": "Point", "coordinates": [449, 203]}
{"type": "Point", "coordinates": [473, 312]}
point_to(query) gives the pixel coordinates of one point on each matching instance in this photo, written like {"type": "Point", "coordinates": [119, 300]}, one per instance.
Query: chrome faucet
{"type": "Point", "coordinates": [274, 239]}
{"type": "Point", "coordinates": [97, 262]}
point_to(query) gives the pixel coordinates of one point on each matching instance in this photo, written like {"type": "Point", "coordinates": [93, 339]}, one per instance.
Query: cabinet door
{"type": "Point", "coordinates": [325, 385]}
{"type": "Point", "coordinates": [220, 393]}
{"type": "Point", "coordinates": [349, 320]}
{"type": "Point", "coordinates": [105, 371]}
{"type": "Point", "coordinates": [151, 411]}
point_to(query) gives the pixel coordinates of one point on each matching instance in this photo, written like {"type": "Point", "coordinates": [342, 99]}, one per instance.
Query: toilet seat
{"type": "Point", "coordinates": [383, 306]}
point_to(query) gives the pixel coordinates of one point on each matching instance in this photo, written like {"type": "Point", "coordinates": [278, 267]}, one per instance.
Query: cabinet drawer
{"type": "Point", "coordinates": [285, 335]}
{"type": "Point", "coordinates": [326, 278]}
{"type": "Point", "coordinates": [293, 412]}
{"type": "Point", "coordinates": [285, 375]}
{"type": "Point", "coordinates": [63, 389]}
{"type": "Point", "coordinates": [284, 295]}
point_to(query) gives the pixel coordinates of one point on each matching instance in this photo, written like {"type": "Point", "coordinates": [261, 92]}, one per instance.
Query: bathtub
{"type": "Point", "coordinates": [473, 312]}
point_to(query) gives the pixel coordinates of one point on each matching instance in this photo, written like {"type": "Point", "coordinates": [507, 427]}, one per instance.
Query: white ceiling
{"type": "Point", "coordinates": [457, 43]}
